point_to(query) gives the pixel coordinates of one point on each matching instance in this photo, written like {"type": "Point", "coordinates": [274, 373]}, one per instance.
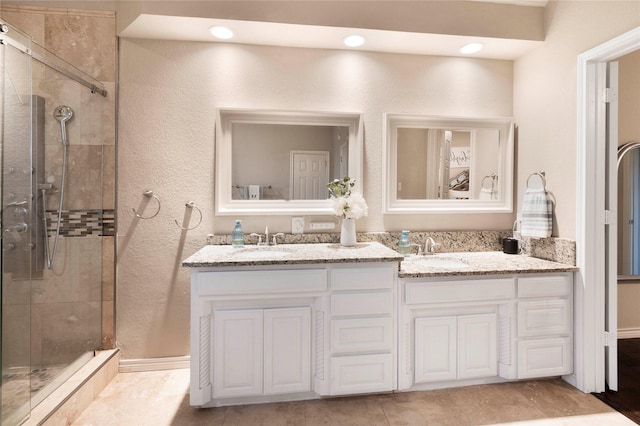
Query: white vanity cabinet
{"type": "Point", "coordinates": [261, 351]}
{"type": "Point", "coordinates": [450, 328]}
{"type": "Point", "coordinates": [362, 324]}
{"type": "Point", "coordinates": [545, 326]}
{"type": "Point", "coordinates": [276, 332]}
{"type": "Point", "coordinates": [482, 329]}
{"type": "Point", "coordinates": [251, 332]}
{"type": "Point", "coordinates": [455, 347]}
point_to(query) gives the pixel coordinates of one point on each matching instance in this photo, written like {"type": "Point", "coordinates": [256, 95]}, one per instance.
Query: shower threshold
{"type": "Point", "coordinates": [51, 386]}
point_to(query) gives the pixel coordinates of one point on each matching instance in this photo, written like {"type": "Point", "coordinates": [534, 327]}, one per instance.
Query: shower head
{"type": "Point", "coordinates": [63, 114]}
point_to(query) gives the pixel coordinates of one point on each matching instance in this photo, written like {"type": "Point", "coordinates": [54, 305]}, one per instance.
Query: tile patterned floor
{"type": "Point", "coordinates": [21, 384]}
{"type": "Point", "coordinates": [161, 398]}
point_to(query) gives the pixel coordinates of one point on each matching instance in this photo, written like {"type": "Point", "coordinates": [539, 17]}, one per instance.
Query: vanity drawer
{"type": "Point", "coordinates": [361, 335]}
{"type": "Point", "coordinates": [544, 357]}
{"type": "Point", "coordinates": [459, 291]}
{"type": "Point", "coordinates": [363, 278]}
{"type": "Point", "coordinates": [544, 317]}
{"type": "Point", "coordinates": [545, 286]}
{"type": "Point", "coordinates": [362, 303]}
{"type": "Point", "coordinates": [361, 374]}
{"type": "Point", "coordinates": [261, 282]}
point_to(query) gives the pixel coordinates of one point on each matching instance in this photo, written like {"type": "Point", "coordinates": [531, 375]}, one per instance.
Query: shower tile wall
{"type": "Point", "coordinates": [86, 39]}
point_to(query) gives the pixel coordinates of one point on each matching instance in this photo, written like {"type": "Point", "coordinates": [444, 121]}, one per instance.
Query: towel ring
{"type": "Point", "coordinates": [148, 193]}
{"type": "Point", "coordinates": [541, 174]}
{"type": "Point", "coordinates": [492, 178]}
{"type": "Point", "coordinates": [190, 205]}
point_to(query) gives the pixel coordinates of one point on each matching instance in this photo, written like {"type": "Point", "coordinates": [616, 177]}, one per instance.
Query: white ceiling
{"type": "Point", "coordinates": [310, 36]}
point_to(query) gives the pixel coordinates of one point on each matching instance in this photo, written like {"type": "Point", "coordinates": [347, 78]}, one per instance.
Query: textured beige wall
{"type": "Point", "coordinates": [545, 87]}
{"type": "Point", "coordinates": [169, 92]}
{"type": "Point", "coordinates": [168, 95]}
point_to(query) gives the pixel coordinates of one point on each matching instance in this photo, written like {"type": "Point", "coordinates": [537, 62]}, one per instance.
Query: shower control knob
{"type": "Point", "coordinates": [10, 246]}
{"type": "Point", "coordinates": [18, 227]}
{"type": "Point", "coordinates": [20, 212]}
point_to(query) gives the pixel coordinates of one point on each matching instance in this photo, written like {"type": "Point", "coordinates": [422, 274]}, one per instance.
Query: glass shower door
{"type": "Point", "coordinates": [16, 195]}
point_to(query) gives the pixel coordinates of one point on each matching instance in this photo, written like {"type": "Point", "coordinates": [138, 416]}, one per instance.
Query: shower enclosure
{"type": "Point", "coordinates": [50, 135]}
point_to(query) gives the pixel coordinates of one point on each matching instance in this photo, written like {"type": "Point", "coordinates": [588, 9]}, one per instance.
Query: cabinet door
{"type": "Point", "coordinates": [361, 374]}
{"type": "Point", "coordinates": [435, 349]}
{"type": "Point", "coordinates": [544, 357]}
{"type": "Point", "coordinates": [477, 346]}
{"type": "Point", "coordinates": [237, 362]}
{"type": "Point", "coordinates": [287, 350]}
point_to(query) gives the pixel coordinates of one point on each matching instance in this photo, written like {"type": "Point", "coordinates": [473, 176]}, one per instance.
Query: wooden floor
{"type": "Point", "coordinates": [627, 399]}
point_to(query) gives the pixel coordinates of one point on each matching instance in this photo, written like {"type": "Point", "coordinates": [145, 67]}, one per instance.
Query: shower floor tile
{"type": "Point", "coordinates": [19, 385]}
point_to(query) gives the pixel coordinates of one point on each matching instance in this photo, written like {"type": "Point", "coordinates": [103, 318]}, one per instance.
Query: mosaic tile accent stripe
{"type": "Point", "coordinates": [83, 223]}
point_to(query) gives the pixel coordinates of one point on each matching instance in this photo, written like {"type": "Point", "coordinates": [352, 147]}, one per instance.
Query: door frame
{"type": "Point", "coordinates": [590, 285]}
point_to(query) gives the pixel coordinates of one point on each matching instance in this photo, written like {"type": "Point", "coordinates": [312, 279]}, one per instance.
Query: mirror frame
{"type": "Point", "coordinates": [392, 205]}
{"type": "Point", "coordinates": [225, 118]}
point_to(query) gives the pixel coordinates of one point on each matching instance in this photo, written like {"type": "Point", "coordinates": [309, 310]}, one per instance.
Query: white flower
{"type": "Point", "coordinates": [352, 206]}
{"type": "Point", "coordinates": [347, 204]}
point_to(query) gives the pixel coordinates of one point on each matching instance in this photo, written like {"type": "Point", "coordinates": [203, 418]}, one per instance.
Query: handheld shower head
{"type": "Point", "coordinates": [63, 114]}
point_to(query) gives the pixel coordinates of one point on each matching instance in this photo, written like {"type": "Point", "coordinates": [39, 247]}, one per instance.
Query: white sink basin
{"type": "Point", "coordinates": [440, 262]}
{"type": "Point", "coordinates": [261, 254]}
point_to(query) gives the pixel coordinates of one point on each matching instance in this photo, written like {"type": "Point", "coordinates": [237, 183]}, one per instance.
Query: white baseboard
{"type": "Point", "coordinates": [628, 333]}
{"type": "Point", "coordinates": [153, 364]}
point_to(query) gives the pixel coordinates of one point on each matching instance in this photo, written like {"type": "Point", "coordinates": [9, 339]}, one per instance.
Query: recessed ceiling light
{"type": "Point", "coordinates": [221, 32]}
{"type": "Point", "coordinates": [471, 48]}
{"type": "Point", "coordinates": [354, 41]}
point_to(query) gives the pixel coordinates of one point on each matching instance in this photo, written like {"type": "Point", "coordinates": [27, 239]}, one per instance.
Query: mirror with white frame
{"type": "Point", "coordinates": [279, 162]}
{"type": "Point", "coordinates": [448, 164]}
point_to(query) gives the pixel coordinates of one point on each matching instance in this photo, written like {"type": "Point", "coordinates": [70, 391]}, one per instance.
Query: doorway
{"type": "Point", "coordinates": [595, 300]}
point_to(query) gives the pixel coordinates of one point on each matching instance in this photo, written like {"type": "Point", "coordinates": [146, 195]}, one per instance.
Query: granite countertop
{"type": "Point", "coordinates": [477, 263]}
{"type": "Point", "coordinates": [289, 254]}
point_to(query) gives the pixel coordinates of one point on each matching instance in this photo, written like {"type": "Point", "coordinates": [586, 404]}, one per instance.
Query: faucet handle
{"type": "Point", "coordinates": [253, 234]}
{"type": "Point", "coordinates": [275, 239]}
{"type": "Point", "coordinates": [430, 246]}
{"type": "Point", "coordinates": [419, 251]}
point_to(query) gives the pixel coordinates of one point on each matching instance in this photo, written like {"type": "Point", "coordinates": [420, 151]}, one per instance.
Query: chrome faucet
{"type": "Point", "coordinates": [266, 241]}
{"type": "Point", "coordinates": [430, 246]}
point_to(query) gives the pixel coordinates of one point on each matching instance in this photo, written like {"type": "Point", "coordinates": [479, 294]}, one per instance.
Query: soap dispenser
{"type": "Point", "coordinates": [237, 236]}
{"type": "Point", "coordinates": [404, 246]}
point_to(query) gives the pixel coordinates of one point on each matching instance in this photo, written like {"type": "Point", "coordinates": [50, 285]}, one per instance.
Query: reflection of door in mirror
{"type": "Point", "coordinates": [430, 161]}
{"type": "Point", "coordinates": [309, 172]}
{"type": "Point", "coordinates": [261, 158]}
{"type": "Point", "coordinates": [629, 209]}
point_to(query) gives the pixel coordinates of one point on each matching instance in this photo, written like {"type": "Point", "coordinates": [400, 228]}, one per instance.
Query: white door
{"type": "Point", "coordinates": [287, 350]}
{"type": "Point", "coordinates": [309, 175]}
{"type": "Point", "coordinates": [237, 354]}
{"type": "Point", "coordinates": [446, 161]}
{"type": "Point", "coordinates": [611, 231]}
{"type": "Point", "coordinates": [344, 159]}
{"type": "Point", "coordinates": [435, 350]}
{"type": "Point", "coordinates": [477, 346]}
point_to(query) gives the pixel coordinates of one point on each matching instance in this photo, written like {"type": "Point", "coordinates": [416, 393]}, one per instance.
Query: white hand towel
{"type": "Point", "coordinates": [537, 214]}
{"type": "Point", "coordinates": [254, 192]}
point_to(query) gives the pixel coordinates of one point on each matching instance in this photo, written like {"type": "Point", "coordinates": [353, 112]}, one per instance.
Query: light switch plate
{"type": "Point", "coordinates": [297, 225]}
